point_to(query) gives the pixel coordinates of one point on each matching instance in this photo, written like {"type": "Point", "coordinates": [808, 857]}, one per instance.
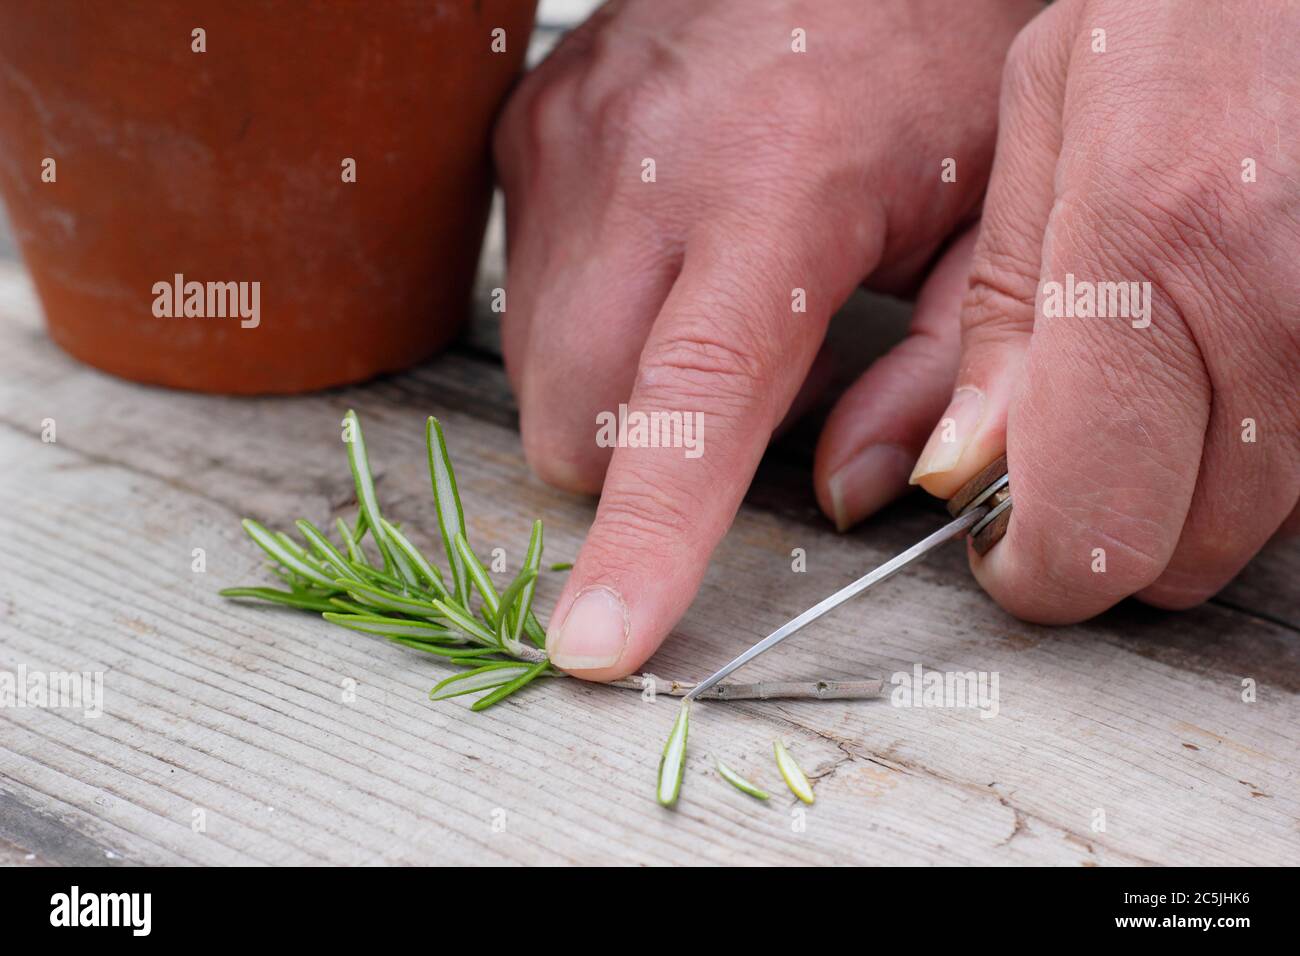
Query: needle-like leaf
{"type": "Point", "coordinates": [451, 517]}
{"type": "Point", "coordinates": [509, 607]}
{"type": "Point", "coordinates": [325, 549]}
{"type": "Point", "coordinates": [479, 578]}
{"type": "Point", "coordinates": [356, 554]}
{"type": "Point", "coordinates": [794, 777]}
{"type": "Point", "coordinates": [421, 564]}
{"type": "Point", "coordinates": [454, 653]}
{"type": "Point", "coordinates": [459, 617]}
{"type": "Point", "coordinates": [287, 556]}
{"type": "Point", "coordinates": [532, 562]}
{"type": "Point", "coordinates": [673, 762]}
{"type": "Point", "coordinates": [562, 566]}
{"type": "Point", "coordinates": [481, 678]}
{"type": "Point", "coordinates": [359, 461]}
{"type": "Point", "coordinates": [372, 596]}
{"type": "Point", "coordinates": [348, 607]}
{"type": "Point", "coordinates": [740, 783]}
{"type": "Point", "coordinates": [306, 602]}
{"type": "Point", "coordinates": [505, 690]}
{"type": "Point", "coordinates": [393, 627]}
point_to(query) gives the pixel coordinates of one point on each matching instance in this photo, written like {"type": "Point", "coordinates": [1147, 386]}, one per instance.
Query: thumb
{"type": "Point", "coordinates": [720, 368]}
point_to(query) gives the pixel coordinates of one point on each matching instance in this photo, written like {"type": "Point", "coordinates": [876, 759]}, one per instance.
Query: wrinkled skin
{"type": "Point", "coordinates": [1127, 165]}
{"type": "Point", "coordinates": [778, 171]}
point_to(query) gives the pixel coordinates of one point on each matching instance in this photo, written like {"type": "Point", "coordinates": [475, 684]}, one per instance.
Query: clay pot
{"type": "Point", "coordinates": [228, 166]}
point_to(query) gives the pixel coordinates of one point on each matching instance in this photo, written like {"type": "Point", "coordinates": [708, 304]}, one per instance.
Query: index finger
{"type": "Point", "coordinates": [722, 364]}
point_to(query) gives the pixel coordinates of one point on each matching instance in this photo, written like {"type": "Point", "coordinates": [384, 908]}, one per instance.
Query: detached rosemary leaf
{"type": "Point", "coordinates": [417, 558]}
{"type": "Point", "coordinates": [505, 690]}
{"type": "Point", "coordinates": [508, 636]}
{"type": "Point", "coordinates": [740, 783]}
{"type": "Point", "coordinates": [794, 777]}
{"type": "Point", "coordinates": [673, 762]}
{"type": "Point", "coordinates": [393, 627]}
{"type": "Point", "coordinates": [479, 577]}
{"type": "Point", "coordinates": [459, 617]}
{"type": "Point", "coordinates": [451, 516]}
{"type": "Point", "coordinates": [286, 556]}
{"type": "Point", "coordinates": [306, 602]}
{"type": "Point", "coordinates": [481, 678]}
{"type": "Point", "coordinates": [325, 548]}
{"type": "Point", "coordinates": [373, 596]}
{"type": "Point", "coordinates": [562, 566]}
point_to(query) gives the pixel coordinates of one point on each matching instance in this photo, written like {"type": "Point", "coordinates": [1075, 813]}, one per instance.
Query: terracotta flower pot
{"type": "Point", "coordinates": [128, 159]}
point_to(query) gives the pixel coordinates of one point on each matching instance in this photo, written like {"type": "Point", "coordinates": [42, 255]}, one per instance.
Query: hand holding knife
{"type": "Point", "coordinates": [981, 507]}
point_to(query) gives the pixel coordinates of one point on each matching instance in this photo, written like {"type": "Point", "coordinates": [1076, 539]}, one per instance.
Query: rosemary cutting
{"type": "Point", "coordinates": [399, 595]}
{"type": "Point", "coordinates": [375, 581]}
{"type": "Point", "coordinates": [461, 618]}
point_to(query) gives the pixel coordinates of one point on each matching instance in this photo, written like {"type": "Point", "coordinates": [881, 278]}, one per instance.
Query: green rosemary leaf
{"type": "Point", "coordinates": [372, 596]}
{"type": "Point", "coordinates": [533, 628]}
{"type": "Point", "coordinates": [393, 627]}
{"type": "Point", "coordinates": [740, 783]}
{"type": "Point", "coordinates": [294, 548]}
{"type": "Point", "coordinates": [405, 570]}
{"type": "Point", "coordinates": [508, 636]}
{"type": "Point", "coordinates": [459, 617]}
{"type": "Point", "coordinates": [356, 554]}
{"type": "Point", "coordinates": [505, 690]}
{"type": "Point", "coordinates": [562, 566]}
{"type": "Point", "coordinates": [416, 557]}
{"type": "Point", "coordinates": [451, 516]}
{"type": "Point", "coordinates": [325, 549]}
{"type": "Point", "coordinates": [306, 602]}
{"type": "Point", "coordinates": [377, 578]}
{"type": "Point", "coordinates": [359, 461]}
{"type": "Point", "coordinates": [453, 654]}
{"type": "Point", "coordinates": [480, 678]}
{"type": "Point", "coordinates": [289, 557]}
{"type": "Point", "coordinates": [532, 562]}
{"type": "Point", "coordinates": [479, 577]}
{"type": "Point", "coordinates": [794, 777]}
{"type": "Point", "coordinates": [673, 762]}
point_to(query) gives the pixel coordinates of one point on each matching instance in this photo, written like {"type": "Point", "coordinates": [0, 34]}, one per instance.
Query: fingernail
{"type": "Point", "coordinates": [870, 480]}
{"type": "Point", "coordinates": [951, 436]}
{"type": "Point", "coordinates": [593, 633]}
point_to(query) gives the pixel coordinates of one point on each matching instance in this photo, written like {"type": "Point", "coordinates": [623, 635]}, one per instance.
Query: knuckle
{"type": "Point", "coordinates": [999, 300]}
{"type": "Point", "coordinates": [700, 366]}
{"type": "Point", "coordinates": [1022, 72]}
{"type": "Point", "coordinates": [644, 514]}
{"type": "Point", "coordinates": [563, 457]}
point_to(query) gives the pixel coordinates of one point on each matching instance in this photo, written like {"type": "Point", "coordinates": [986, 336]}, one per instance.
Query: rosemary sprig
{"type": "Point", "coordinates": [407, 601]}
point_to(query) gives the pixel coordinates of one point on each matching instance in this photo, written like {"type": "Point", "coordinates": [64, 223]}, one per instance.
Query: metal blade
{"type": "Point", "coordinates": [888, 569]}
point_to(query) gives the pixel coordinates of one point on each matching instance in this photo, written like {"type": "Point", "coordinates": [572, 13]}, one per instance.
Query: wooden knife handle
{"type": "Point", "coordinates": [984, 536]}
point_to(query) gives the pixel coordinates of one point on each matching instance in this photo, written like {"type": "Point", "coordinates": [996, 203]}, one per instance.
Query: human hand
{"type": "Point", "coordinates": [1152, 453]}
{"type": "Point", "coordinates": [776, 175]}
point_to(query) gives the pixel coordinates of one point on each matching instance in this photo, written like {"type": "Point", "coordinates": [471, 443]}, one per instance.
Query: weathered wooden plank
{"type": "Point", "coordinates": [240, 711]}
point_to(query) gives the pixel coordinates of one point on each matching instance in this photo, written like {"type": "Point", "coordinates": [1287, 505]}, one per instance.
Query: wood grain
{"type": "Point", "coordinates": [240, 712]}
